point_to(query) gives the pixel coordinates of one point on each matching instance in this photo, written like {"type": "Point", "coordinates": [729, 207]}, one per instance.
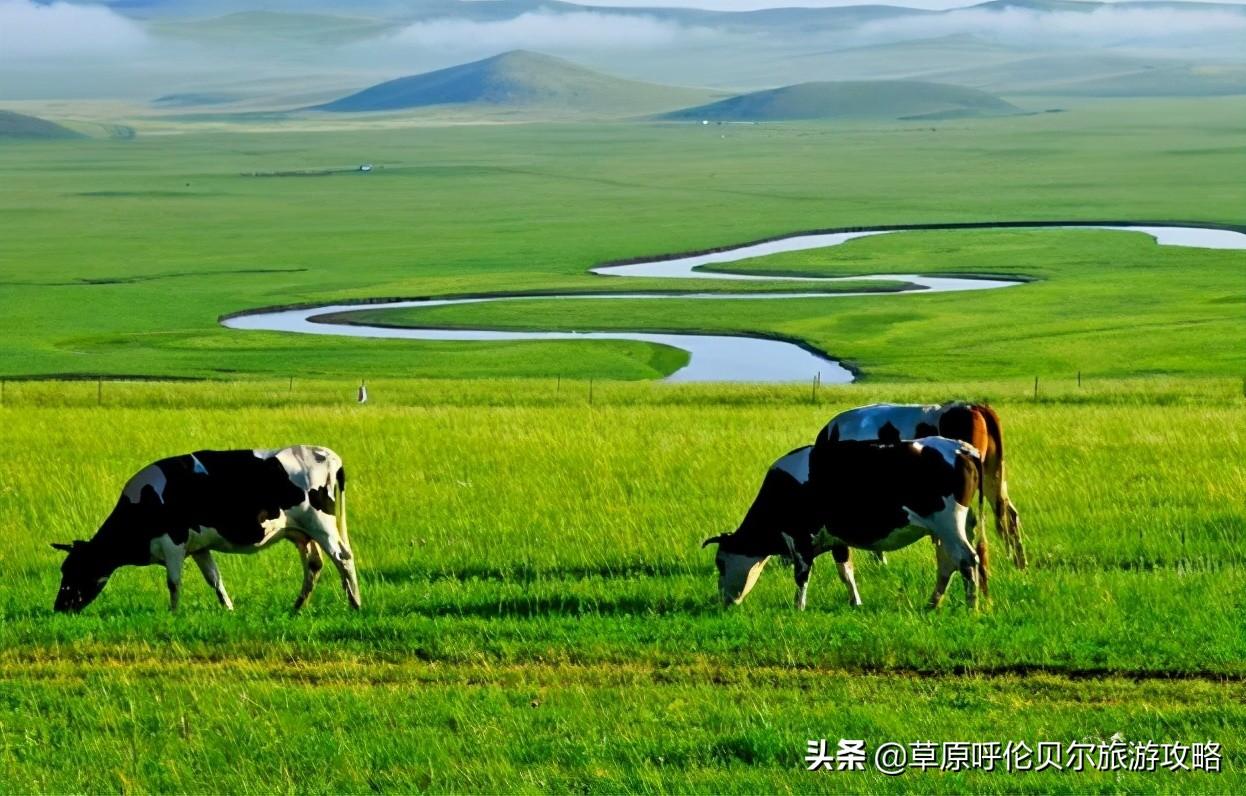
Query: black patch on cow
{"type": "Point", "coordinates": [782, 506]}
{"type": "Point", "coordinates": [861, 490]}
{"type": "Point", "coordinates": [888, 433]}
{"type": "Point", "coordinates": [321, 499]}
{"type": "Point", "coordinates": [858, 491]}
{"type": "Point", "coordinates": [341, 479]}
{"type": "Point", "coordinates": [958, 422]}
{"type": "Point", "coordinates": [237, 492]}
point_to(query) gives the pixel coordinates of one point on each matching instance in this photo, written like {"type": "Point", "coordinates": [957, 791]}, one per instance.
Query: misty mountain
{"type": "Point", "coordinates": [20, 126]}
{"type": "Point", "coordinates": [260, 50]}
{"type": "Point", "coordinates": [517, 80]}
{"type": "Point", "coordinates": [882, 99]}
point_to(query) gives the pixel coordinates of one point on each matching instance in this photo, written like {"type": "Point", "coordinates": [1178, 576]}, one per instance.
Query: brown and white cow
{"type": "Point", "coordinates": [869, 495]}
{"type": "Point", "coordinates": [237, 501]}
{"type": "Point", "coordinates": [976, 424]}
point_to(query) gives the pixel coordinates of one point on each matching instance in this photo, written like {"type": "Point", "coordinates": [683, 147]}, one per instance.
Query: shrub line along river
{"type": "Point", "coordinates": [713, 358]}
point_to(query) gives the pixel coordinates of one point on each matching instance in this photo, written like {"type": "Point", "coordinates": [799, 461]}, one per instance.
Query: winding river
{"type": "Point", "coordinates": [713, 358]}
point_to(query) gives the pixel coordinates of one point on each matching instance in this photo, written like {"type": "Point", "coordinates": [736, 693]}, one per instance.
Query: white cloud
{"type": "Point", "coordinates": [542, 30]}
{"type": "Point", "coordinates": [63, 30]}
{"type": "Point", "coordinates": [752, 5]}
{"type": "Point", "coordinates": [1104, 26]}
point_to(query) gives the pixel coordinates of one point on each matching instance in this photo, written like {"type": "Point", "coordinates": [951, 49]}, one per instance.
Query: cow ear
{"type": "Point", "coordinates": [62, 546]}
{"type": "Point", "coordinates": [713, 540]}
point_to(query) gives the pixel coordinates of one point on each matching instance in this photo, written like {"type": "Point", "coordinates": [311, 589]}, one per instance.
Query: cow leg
{"type": "Point", "coordinates": [947, 565]}
{"type": "Point", "coordinates": [174, 557]}
{"type": "Point", "coordinates": [802, 585]}
{"type": "Point", "coordinates": [343, 559]}
{"type": "Point", "coordinates": [350, 581]}
{"type": "Point", "coordinates": [802, 567]}
{"type": "Point", "coordinates": [969, 572]}
{"type": "Point", "coordinates": [309, 552]}
{"type": "Point", "coordinates": [207, 565]}
{"type": "Point", "coordinates": [973, 570]}
{"type": "Point", "coordinates": [843, 565]}
{"type": "Point", "coordinates": [977, 538]}
{"type": "Point", "coordinates": [983, 575]}
{"type": "Point", "coordinates": [1012, 521]}
{"type": "Point", "coordinates": [880, 557]}
{"type": "Point", "coordinates": [1007, 521]}
{"type": "Point", "coordinates": [323, 529]}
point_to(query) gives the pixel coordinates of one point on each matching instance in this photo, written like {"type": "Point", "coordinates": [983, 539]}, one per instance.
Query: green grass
{"type": "Point", "coordinates": [538, 613]}
{"type": "Point", "coordinates": [1108, 304]}
{"type": "Point", "coordinates": [517, 544]}
{"type": "Point", "coordinates": [480, 209]}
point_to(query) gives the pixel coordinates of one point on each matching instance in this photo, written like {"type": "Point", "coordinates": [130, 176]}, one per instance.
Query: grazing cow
{"type": "Point", "coordinates": [977, 424]}
{"type": "Point", "coordinates": [233, 501]}
{"type": "Point", "coordinates": [870, 495]}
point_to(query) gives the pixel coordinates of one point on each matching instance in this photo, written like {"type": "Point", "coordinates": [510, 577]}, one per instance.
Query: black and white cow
{"type": "Point", "coordinates": [236, 501]}
{"type": "Point", "coordinates": [869, 495]}
{"type": "Point", "coordinates": [977, 424]}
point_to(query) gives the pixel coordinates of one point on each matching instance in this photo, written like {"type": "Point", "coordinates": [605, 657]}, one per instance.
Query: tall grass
{"type": "Point", "coordinates": [519, 546]}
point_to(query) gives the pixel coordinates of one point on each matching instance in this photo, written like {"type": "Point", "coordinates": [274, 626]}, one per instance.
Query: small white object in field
{"type": "Point", "coordinates": [363, 393]}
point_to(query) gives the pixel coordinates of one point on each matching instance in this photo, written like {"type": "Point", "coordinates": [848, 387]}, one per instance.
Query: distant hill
{"type": "Point", "coordinates": [1102, 74]}
{"type": "Point", "coordinates": [194, 99]}
{"type": "Point", "coordinates": [252, 26]}
{"type": "Point", "coordinates": [865, 99]}
{"type": "Point", "coordinates": [1164, 81]}
{"type": "Point", "coordinates": [19, 125]}
{"type": "Point", "coordinates": [518, 80]}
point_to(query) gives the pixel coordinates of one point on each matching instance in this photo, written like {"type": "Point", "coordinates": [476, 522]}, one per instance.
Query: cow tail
{"type": "Point", "coordinates": [1006, 522]}
{"type": "Point", "coordinates": [339, 506]}
{"type": "Point", "coordinates": [976, 456]}
{"type": "Point", "coordinates": [981, 547]}
{"type": "Point", "coordinates": [995, 461]}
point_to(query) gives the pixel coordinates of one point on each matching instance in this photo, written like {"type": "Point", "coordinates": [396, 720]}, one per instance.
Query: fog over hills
{"type": "Point", "coordinates": [276, 54]}
{"type": "Point", "coordinates": [884, 99]}
{"type": "Point", "coordinates": [518, 80]}
{"type": "Point", "coordinates": [21, 126]}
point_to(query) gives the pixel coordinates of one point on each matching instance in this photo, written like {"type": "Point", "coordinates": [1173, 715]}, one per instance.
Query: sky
{"type": "Point", "coordinates": [80, 49]}
{"type": "Point", "coordinates": [747, 5]}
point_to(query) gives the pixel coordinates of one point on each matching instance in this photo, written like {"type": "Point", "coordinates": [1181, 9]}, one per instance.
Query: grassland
{"type": "Point", "coordinates": [539, 614]}
{"type": "Point", "coordinates": [1107, 304]}
{"type": "Point", "coordinates": [176, 226]}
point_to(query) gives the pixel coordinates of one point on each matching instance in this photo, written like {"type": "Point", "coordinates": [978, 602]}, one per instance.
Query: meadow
{"type": "Point", "coordinates": [176, 224]}
{"type": "Point", "coordinates": [538, 613]}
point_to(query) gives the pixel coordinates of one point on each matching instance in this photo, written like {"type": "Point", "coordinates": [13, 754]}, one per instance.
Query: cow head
{"type": "Point", "coordinates": [738, 570]}
{"type": "Point", "coordinates": [83, 575]}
